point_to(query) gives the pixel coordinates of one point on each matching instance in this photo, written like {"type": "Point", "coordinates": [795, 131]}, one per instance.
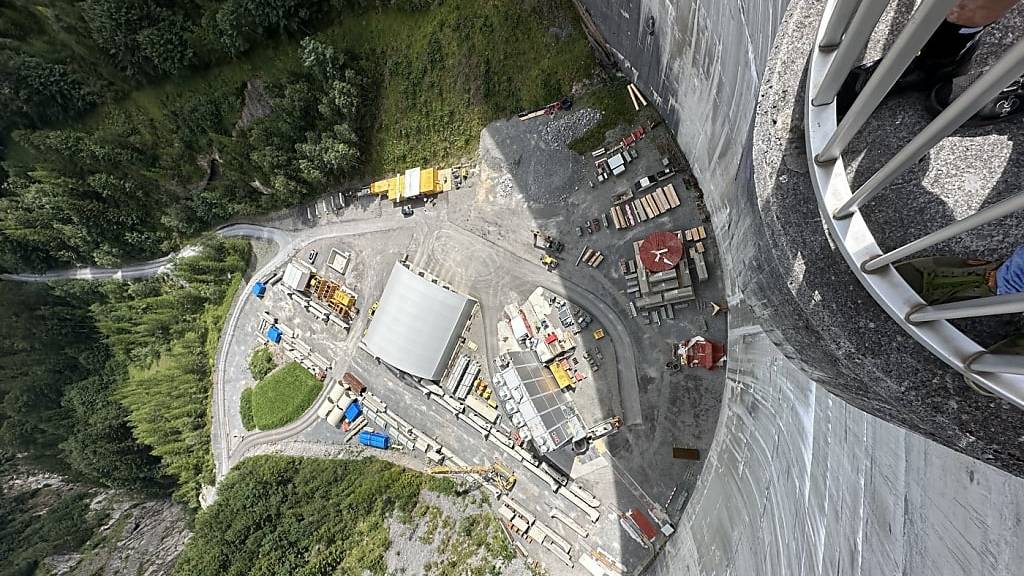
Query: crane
{"type": "Point", "coordinates": [497, 474]}
{"type": "Point", "coordinates": [604, 428]}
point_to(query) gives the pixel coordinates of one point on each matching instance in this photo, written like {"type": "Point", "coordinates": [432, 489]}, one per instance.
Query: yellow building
{"type": "Point", "coordinates": [415, 182]}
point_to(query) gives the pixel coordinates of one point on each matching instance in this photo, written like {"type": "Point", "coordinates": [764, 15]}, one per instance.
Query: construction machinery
{"type": "Point", "coordinates": [604, 428]}
{"type": "Point", "coordinates": [549, 262]}
{"type": "Point", "coordinates": [497, 474]}
{"type": "Point", "coordinates": [334, 295]}
{"type": "Point", "coordinates": [546, 242]}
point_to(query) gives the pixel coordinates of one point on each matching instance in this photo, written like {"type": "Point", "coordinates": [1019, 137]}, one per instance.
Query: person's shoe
{"type": "Point", "coordinates": [1009, 103]}
{"type": "Point", "coordinates": [922, 74]}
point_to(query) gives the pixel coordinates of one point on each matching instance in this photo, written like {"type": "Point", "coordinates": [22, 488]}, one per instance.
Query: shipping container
{"type": "Point", "coordinates": [643, 523]}
{"type": "Point", "coordinates": [374, 439]}
{"type": "Point", "coordinates": [354, 384]}
{"type": "Point", "coordinates": [353, 411]}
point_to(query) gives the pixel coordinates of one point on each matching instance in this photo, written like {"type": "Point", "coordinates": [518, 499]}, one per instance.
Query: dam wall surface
{"type": "Point", "coordinates": [813, 470]}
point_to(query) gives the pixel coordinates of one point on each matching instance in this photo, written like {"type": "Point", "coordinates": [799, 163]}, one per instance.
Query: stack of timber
{"type": "Point", "coordinates": [630, 213]}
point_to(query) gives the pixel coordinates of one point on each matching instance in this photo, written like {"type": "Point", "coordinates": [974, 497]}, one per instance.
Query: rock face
{"type": "Point", "coordinates": [138, 537]}
{"type": "Point", "coordinates": [141, 538]}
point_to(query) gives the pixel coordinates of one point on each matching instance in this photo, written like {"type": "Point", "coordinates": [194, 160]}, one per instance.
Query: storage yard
{"type": "Point", "coordinates": [461, 334]}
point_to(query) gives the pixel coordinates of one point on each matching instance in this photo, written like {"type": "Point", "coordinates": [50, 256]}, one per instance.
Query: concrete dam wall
{"type": "Point", "coordinates": [799, 480]}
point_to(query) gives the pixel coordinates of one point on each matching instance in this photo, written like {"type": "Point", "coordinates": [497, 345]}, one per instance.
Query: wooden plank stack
{"type": "Point", "coordinates": [644, 208]}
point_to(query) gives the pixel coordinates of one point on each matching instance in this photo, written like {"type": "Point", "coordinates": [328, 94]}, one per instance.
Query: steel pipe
{"type": "Point", "coordinates": [999, 76]}
{"type": "Point", "coordinates": [997, 363]}
{"type": "Point", "coordinates": [837, 24]}
{"type": "Point", "coordinates": [990, 306]}
{"type": "Point", "coordinates": [855, 39]}
{"type": "Point", "coordinates": [994, 212]}
{"type": "Point", "coordinates": [921, 26]}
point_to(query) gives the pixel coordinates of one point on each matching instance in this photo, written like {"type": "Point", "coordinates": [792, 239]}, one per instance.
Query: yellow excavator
{"type": "Point", "coordinates": [497, 474]}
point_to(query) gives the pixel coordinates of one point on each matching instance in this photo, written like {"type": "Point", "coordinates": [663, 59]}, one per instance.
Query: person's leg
{"type": "Point", "coordinates": [947, 53]}
{"type": "Point", "coordinates": [962, 27]}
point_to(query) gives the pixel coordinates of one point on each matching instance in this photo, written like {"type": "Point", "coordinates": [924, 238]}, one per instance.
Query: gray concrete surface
{"type": "Point", "coordinates": [842, 338]}
{"type": "Point", "coordinates": [799, 481]}
{"type": "Point", "coordinates": [703, 66]}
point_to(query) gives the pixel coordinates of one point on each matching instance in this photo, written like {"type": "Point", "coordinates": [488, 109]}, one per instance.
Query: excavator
{"type": "Point", "coordinates": [497, 474]}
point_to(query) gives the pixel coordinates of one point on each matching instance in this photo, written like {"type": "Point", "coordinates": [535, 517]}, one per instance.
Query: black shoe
{"type": "Point", "coordinates": [1009, 103]}
{"type": "Point", "coordinates": [922, 74]}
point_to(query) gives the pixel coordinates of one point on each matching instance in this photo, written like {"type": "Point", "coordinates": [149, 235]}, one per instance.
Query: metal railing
{"type": "Point", "coordinates": [843, 33]}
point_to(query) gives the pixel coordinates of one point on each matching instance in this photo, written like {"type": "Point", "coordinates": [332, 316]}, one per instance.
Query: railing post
{"type": "Point", "coordinates": [990, 306]}
{"type": "Point", "coordinates": [997, 363]}
{"type": "Point", "coordinates": [854, 41]}
{"type": "Point", "coordinates": [999, 210]}
{"type": "Point", "coordinates": [1002, 73]}
{"type": "Point", "coordinates": [921, 26]}
{"type": "Point", "coordinates": [838, 23]}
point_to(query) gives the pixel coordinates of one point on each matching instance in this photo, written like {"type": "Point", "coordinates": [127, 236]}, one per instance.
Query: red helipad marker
{"type": "Point", "coordinates": [661, 251]}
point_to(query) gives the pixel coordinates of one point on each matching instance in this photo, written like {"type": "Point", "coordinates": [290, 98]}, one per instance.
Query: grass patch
{"type": "Point", "coordinates": [245, 409]}
{"type": "Point", "coordinates": [616, 109]}
{"type": "Point", "coordinates": [458, 66]}
{"type": "Point", "coordinates": [261, 363]}
{"type": "Point", "coordinates": [283, 396]}
{"type": "Point", "coordinates": [214, 318]}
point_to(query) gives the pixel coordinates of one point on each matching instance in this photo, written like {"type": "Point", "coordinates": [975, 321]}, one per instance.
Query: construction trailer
{"type": "Point", "coordinates": [413, 183]}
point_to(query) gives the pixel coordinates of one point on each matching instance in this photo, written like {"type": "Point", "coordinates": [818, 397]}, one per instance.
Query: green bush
{"type": "Point", "coordinates": [245, 409]}
{"type": "Point", "coordinates": [287, 515]}
{"type": "Point", "coordinates": [283, 396]}
{"type": "Point", "coordinates": [261, 363]}
{"type": "Point", "coordinates": [612, 99]}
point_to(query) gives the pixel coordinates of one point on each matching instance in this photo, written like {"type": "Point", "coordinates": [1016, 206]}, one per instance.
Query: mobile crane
{"type": "Point", "coordinates": [497, 474]}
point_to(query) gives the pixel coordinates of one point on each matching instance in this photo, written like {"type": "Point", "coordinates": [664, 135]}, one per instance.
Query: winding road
{"type": "Point", "coordinates": [290, 243]}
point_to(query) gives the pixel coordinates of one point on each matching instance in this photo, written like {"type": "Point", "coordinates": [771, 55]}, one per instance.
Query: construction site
{"type": "Point", "coordinates": [527, 329]}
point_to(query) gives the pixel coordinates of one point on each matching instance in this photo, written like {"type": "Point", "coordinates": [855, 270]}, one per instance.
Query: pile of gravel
{"type": "Point", "coordinates": [566, 127]}
{"type": "Point", "coordinates": [505, 186]}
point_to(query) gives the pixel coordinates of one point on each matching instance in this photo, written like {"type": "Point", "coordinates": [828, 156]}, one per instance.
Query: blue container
{"type": "Point", "coordinates": [274, 334]}
{"type": "Point", "coordinates": [259, 289]}
{"type": "Point", "coordinates": [353, 411]}
{"type": "Point", "coordinates": [374, 439]}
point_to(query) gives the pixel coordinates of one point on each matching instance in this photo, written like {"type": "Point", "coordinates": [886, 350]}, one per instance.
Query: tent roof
{"type": "Point", "coordinates": [417, 325]}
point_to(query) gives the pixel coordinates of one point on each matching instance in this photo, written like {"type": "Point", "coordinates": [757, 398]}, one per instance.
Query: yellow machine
{"type": "Point", "coordinates": [599, 333]}
{"type": "Point", "coordinates": [497, 474]}
{"type": "Point", "coordinates": [413, 183]}
{"type": "Point", "coordinates": [334, 295]}
{"type": "Point", "coordinates": [373, 309]}
{"type": "Point", "coordinates": [549, 262]}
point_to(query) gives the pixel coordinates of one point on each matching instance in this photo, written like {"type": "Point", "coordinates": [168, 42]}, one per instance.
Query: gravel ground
{"type": "Point", "coordinates": [567, 127]}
